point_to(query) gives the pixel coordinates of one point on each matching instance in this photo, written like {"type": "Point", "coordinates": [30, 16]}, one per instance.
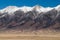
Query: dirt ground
{"type": "Point", "coordinates": [28, 37]}
{"type": "Point", "coordinates": [35, 35]}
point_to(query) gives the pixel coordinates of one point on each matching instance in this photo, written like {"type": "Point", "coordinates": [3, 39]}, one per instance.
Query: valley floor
{"type": "Point", "coordinates": [28, 35]}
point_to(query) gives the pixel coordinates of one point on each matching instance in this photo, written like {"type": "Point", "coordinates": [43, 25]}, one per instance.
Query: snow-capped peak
{"type": "Point", "coordinates": [37, 8]}
{"type": "Point", "coordinates": [12, 9]}
{"type": "Point", "coordinates": [25, 8]}
{"type": "Point", "coordinates": [42, 9]}
{"type": "Point", "coordinates": [57, 7]}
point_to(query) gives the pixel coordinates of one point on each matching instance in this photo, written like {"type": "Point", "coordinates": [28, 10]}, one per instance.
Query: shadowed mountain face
{"type": "Point", "coordinates": [30, 18]}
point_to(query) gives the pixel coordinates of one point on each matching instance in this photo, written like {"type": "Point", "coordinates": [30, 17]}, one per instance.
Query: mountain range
{"type": "Point", "coordinates": [30, 18]}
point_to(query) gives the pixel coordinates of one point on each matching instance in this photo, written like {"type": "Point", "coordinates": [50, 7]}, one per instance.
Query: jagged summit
{"type": "Point", "coordinates": [9, 9]}
{"type": "Point", "coordinates": [57, 7]}
{"type": "Point", "coordinates": [26, 8]}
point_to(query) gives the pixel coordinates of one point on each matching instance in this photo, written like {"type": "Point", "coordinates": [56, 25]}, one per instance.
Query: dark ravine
{"type": "Point", "coordinates": [30, 20]}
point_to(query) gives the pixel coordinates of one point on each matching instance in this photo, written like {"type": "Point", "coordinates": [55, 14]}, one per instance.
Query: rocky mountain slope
{"type": "Point", "coordinates": [30, 18]}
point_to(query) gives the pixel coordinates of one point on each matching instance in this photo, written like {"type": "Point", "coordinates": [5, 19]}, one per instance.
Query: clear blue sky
{"type": "Point", "coordinates": [45, 3]}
